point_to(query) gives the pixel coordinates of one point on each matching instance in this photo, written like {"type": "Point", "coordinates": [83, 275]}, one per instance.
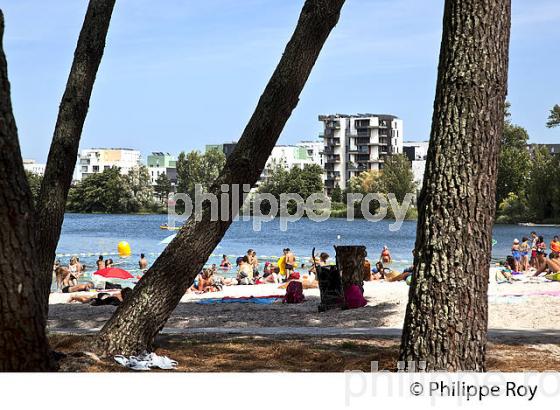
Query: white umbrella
{"type": "Point", "coordinates": [168, 239]}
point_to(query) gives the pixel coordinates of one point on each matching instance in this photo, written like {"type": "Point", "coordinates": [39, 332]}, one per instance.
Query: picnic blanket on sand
{"type": "Point", "coordinates": [262, 300]}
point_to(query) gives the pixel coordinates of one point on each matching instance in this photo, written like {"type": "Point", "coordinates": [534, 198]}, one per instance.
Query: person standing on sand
{"type": "Point", "coordinates": [524, 250]}
{"type": "Point", "coordinates": [290, 261]}
{"type": "Point", "coordinates": [516, 254]}
{"type": "Point", "coordinates": [143, 262]}
{"type": "Point", "coordinates": [533, 240]}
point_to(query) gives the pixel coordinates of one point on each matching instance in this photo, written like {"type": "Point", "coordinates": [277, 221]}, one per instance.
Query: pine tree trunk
{"type": "Point", "coordinates": [136, 322]}
{"type": "Point", "coordinates": [447, 313]}
{"type": "Point", "coordinates": [68, 130]}
{"type": "Point", "coordinates": [350, 260]}
{"type": "Point", "coordinates": [23, 342]}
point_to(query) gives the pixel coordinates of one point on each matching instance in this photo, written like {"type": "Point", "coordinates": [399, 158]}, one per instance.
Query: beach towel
{"type": "Point", "coordinates": [146, 361]}
{"type": "Point", "coordinates": [261, 300]}
{"type": "Point", "coordinates": [353, 297]}
{"type": "Point", "coordinates": [294, 293]}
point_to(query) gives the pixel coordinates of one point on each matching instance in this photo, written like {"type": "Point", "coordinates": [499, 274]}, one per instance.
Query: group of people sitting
{"type": "Point", "coordinates": [529, 256]}
{"type": "Point", "coordinates": [284, 270]}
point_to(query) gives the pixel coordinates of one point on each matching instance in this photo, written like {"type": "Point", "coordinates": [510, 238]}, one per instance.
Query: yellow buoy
{"type": "Point", "coordinates": [123, 249]}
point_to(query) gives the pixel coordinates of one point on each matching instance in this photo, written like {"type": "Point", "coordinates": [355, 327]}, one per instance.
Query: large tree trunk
{"type": "Point", "coordinates": [23, 342]}
{"type": "Point", "coordinates": [136, 322]}
{"type": "Point", "coordinates": [447, 313]}
{"type": "Point", "coordinates": [350, 261]}
{"type": "Point", "coordinates": [64, 146]}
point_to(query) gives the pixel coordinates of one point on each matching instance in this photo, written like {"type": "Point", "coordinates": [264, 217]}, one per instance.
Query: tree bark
{"type": "Point", "coordinates": [350, 260]}
{"type": "Point", "coordinates": [66, 139]}
{"type": "Point", "coordinates": [23, 342]}
{"type": "Point", "coordinates": [447, 313]}
{"type": "Point", "coordinates": [137, 321]}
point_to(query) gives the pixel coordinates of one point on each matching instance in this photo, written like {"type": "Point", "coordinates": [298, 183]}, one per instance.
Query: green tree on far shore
{"type": "Point", "coordinates": [195, 168]}
{"type": "Point", "coordinates": [302, 181]}
{"type": "Point", "coordinates": [514, 162]}
{"type": "Point", "coordinates": [397, 177]}
{"type": "Point", "coordinates": [554, 117]}
{"type": "Point", "coordinates": [162, 187]}
{"type": "Point", "coordinates": [111, 192]}
{"type": "Point", "coordinates": [35, 182]}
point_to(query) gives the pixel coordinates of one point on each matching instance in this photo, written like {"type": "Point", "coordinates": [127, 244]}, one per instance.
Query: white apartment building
{"type": "Point", "coordinates": [298, 155]}
{"type": "Point", "coordinates": [357, 143]}
{"type": "Point", "coordinates": [96, 160]}
{"type": "Point", "coordinates": [33, 167]}
{"type": "Point", "coordinates": [417, 151]}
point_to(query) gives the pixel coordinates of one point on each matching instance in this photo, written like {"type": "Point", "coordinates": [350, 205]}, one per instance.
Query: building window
{"type": "Point", "coordinates": [95, 168]}
{"type": "Point", "coordinates": [84, 169]}
{"type": "Point", "coordinates": [106, 167]}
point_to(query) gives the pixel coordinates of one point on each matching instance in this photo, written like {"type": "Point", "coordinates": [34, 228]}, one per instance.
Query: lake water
{"type": "Point", "coordinates": [91, 235]}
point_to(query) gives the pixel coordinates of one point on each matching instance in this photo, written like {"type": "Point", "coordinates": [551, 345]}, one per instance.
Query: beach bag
{"type": "Point", "coordinates": [330, 287]}
{"type": "Point", "coordinates": [353, 297]}
{"type": "Point", "coordinates": [294, 293]}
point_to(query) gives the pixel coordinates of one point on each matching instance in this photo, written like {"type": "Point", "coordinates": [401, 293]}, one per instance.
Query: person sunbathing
{"type": "Point", "coordinates": [84, 287]}
{"type": "Point", "coordinates": [103, 298]}
{"type": "Point", "coordinates": [202, 282]}
{"type": "Point", "coordinates": [547, 265]}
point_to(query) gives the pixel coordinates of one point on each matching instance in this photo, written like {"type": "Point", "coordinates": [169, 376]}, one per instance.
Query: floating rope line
{"type": "Point", "coordinates": [212, 255]}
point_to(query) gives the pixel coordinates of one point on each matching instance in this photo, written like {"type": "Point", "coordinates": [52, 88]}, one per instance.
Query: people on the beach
{"type": "Point", "coordinates": [555, 245]}
{"type": "Point", "coordinates": [515, 252]}
{"type": "Point", "coordinates": [109, 263]}
{"type": "Point", "coordinates": [290, 261]}
{"type": "Point", "coordinates": [245, 272]}
{"type": "Point", "coordinates": [103, 298]}
{"type": "Point", "coordinates": [548, 265]}
{"type": "Point", "coordinates": [524, 249]}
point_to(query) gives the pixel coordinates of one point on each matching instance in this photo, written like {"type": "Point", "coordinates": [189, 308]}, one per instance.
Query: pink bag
{"type": "Point", "coordinates": [294, 293]}
{"type": "Point", "coordinates": [354, 298]}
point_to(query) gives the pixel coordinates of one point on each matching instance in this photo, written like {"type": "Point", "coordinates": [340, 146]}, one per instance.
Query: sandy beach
{"type": "Point", "coordinates": [516, 306]}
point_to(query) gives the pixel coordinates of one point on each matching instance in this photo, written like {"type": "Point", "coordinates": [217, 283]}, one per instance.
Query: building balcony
{"type": "Point", "coordinates": [334, 159]}
{"type": "Point", "coordinates": [356, 167]}
{"type": "Point", "coordinates": [335, 125]}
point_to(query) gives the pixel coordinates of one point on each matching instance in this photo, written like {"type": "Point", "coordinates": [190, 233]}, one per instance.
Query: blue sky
{"type": "Point", "coordinates": [178, 74]}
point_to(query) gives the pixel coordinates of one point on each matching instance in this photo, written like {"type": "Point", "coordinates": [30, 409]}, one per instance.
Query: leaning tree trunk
{"type": "Point", "coordinates": [350, 261]}
{"type": "Point", "coordinates": [23, 342]}
{"type": "Point", "coordinates": [447, 313]}
{"type": "Point", "coordinates": [68, 130]}
{"type": "Point", "coordinates": [137, 321]}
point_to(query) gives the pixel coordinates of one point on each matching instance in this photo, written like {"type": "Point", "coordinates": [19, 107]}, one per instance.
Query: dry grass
{"type": "Point", "coordinates": [291, 354]}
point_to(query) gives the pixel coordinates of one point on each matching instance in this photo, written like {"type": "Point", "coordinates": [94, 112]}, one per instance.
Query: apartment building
{"type": "Point", "coordinates": [162, 163]}
{"type": "Point", "coordinates": [358, 143]}
{"type": "Point", "coordinates": [417, 152]}
{"type": "Point", "coordinates": [96, 160]}
{"type": "Point", "coordinates": [31, 166]}
{"type": "Point", "coordinates": [227, 148]}
{"type": "Point", "coordinates": [289, 156]}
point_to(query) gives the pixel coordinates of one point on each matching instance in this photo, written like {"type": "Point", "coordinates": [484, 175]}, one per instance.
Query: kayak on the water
{"type": "Point", "coordinates": [169, 228]}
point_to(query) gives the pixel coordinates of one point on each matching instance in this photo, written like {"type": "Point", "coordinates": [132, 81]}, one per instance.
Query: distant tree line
{"type": "Point", "coordinates": [527, 188]}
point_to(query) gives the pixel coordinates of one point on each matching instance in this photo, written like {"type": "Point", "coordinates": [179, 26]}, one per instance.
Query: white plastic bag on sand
{"type": "Point", "coordinates": [146, 361]}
